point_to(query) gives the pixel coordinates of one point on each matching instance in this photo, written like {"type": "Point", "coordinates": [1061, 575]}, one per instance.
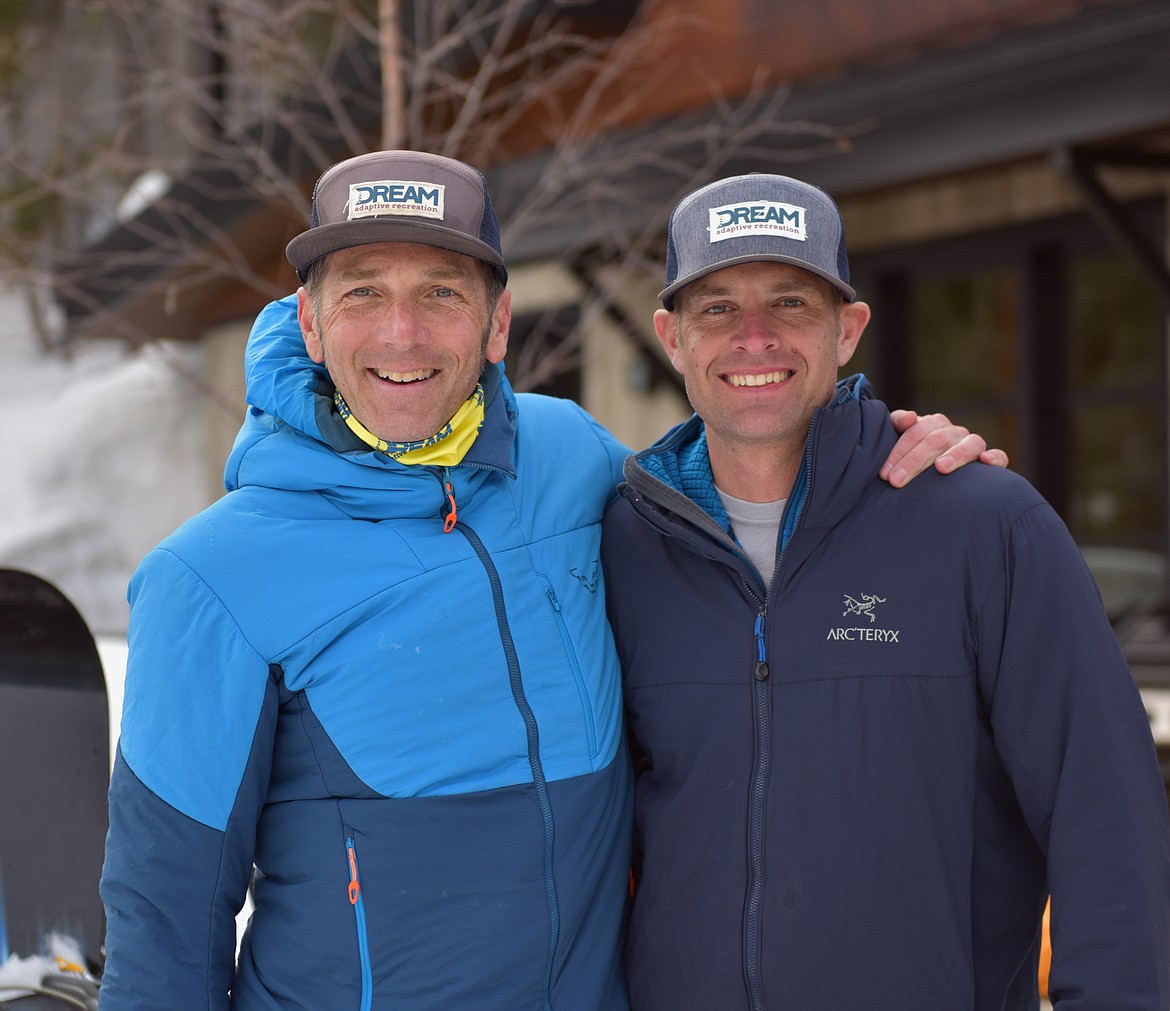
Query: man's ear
{"type": "Point", "coordinates": [854, 319]}
{"type": "Point", "coordinates": [308, 322]}
{"type": "Point", "coordinates": [497, 342]}
{"type": "Point", "coordinates": [666, 327]}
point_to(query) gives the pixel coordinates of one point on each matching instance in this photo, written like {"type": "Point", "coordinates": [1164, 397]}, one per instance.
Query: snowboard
{"type": "Point", "coordinates": [54, 771]}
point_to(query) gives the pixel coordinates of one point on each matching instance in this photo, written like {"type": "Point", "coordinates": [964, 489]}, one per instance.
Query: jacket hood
{"type": "Point", "coordinates": [293, 439]}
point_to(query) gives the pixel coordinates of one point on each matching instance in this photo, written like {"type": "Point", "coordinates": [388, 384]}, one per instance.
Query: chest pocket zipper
{"type": "Point", "coordinates": [359, 912]}
{"type": "Point", "coordinates": [574, 664]}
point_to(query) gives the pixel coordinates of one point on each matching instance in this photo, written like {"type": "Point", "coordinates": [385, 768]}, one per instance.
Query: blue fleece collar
{"type": "Point", "coordinates": [682, 461]}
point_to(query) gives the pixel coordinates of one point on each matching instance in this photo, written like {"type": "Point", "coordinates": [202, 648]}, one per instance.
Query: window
{"type": "Point", "coordinates": [1049, 341]}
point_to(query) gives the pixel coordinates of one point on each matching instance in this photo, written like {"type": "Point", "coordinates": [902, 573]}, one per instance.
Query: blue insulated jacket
{"type": "Point", "coordinates": [858, 777]}
{"type": "Point", "coordinates": [414, 735]}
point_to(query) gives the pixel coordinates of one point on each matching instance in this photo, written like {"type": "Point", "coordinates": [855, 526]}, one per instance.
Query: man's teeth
{"type": "Point", "coordinates": [758, 380]}
{"type": "Point", "coordinates": [406, 377]}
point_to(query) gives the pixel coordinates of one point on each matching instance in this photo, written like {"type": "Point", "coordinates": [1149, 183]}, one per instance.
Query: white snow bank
{"type": "Point", "coordinates": [101, 457]}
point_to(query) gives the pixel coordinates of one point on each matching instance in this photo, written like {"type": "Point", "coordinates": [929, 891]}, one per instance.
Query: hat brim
{"type": "Point", "coordinates": [308, 247]}
{"type": "Point", "coordinates": [666, 296]}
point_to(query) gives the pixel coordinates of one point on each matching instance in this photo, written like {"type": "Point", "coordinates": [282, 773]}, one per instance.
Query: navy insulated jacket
{"type": "Point", "coordinates": [858, 777]}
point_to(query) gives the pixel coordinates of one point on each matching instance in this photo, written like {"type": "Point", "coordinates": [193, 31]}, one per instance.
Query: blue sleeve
{"type": "Point", "coordinates": [616, 451]}
{"type": "Point", "coordinates": [189, 780]}
{"type": "Point", "coordinates": [1071, 730]}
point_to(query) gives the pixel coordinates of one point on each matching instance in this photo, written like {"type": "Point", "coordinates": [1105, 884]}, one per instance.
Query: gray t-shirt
{"type": "Point", "coordinates": [756, 525]}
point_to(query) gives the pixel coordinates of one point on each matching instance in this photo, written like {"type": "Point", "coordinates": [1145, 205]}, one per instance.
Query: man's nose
{"type": "Point", "coordinates": [757, 332]}
{"type": "Point", "coordinates": [398, 323]}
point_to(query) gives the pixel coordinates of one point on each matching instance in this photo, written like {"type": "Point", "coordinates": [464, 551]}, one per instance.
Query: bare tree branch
{"type": "Point", "coordinates": [228, 106]}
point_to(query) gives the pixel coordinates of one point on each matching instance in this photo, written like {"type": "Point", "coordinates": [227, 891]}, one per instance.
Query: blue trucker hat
{"type": "Point", "coordinates": [755, 217]}
{"type": "Point", "coordinates": [400, 196]}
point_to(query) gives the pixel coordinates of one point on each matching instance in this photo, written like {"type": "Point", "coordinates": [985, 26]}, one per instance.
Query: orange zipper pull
{"type": "Point", "coordinates": [355, 889]}
{"type": "Point", "coordinates": [453, 516]}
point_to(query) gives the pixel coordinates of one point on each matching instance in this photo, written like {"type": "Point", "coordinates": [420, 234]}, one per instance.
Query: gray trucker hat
{"type": "Point", "coordinates": [400, 196]}
{"type": "Point", "coordinates": [755, 217]}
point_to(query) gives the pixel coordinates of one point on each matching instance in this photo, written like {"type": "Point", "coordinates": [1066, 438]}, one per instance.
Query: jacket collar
{"type": "Point", "coordinates": [842, 455]}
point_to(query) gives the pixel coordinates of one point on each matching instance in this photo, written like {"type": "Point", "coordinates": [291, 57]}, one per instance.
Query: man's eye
{"type": "Point", "coordinates": [360, 292]}
{"type": "Point", "coordinates": [717, 310]}
{"type": "Point", "coordinates": [442, 292]}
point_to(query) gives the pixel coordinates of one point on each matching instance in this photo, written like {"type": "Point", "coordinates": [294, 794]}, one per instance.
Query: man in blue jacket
{"type": "Point", "coordinates": [379, 668]}
{"type": "Point", "coordinates": [872, 731]}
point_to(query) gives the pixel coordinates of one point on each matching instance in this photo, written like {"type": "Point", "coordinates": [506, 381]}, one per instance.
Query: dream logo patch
{"type": "Point", "coordinates": [398, 197]}
{"type": "Point", "coordinates": [757, 217]}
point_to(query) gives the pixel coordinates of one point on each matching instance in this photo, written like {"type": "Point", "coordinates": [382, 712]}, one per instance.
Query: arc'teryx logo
{"type": "Point", "coordinates": [397, 197]}
{"type": "Point", "coordinates": [864, 605]}
{"type": "Point", "coordinates": [757, 217]}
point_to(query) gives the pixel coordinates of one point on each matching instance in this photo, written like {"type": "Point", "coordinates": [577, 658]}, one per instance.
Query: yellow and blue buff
{"type": "Point", "coordinates": [443, 449]}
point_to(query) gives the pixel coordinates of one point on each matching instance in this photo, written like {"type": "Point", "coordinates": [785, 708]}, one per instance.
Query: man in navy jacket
{"type": "Point", "coordinates": [872, 731]}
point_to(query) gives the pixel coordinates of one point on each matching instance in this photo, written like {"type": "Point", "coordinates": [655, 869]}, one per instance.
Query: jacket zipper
{"type": "Point", "coordinates": [532, 729]}
{"type": "Point", "coordinates": [359, 912]}
{"type": "Point", "coordinates": [756, 814]}
{"type": "Point", "coordinates": [761, 673]}
{"type": "Point", "coordinates": [575, 666]}
{"type": "Point", "coordinates": [801, 491]}
{"type": "Point", "coordinates": [450, 515]}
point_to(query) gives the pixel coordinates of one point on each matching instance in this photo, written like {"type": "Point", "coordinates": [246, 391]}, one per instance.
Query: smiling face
{"type": "Point", "coordinates": [759, 345]}
{"type": "Point", "coordinates": [404, 331]}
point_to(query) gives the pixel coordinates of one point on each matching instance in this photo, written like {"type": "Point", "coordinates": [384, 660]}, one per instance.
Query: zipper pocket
{"type": "Point", "coordinates": [359, 912]}
{"type": "Point", "coordinates": [586, 707]}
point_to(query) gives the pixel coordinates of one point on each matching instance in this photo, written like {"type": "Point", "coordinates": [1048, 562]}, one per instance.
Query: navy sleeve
{"type": "Point", "coordinates": [1071, 730]}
